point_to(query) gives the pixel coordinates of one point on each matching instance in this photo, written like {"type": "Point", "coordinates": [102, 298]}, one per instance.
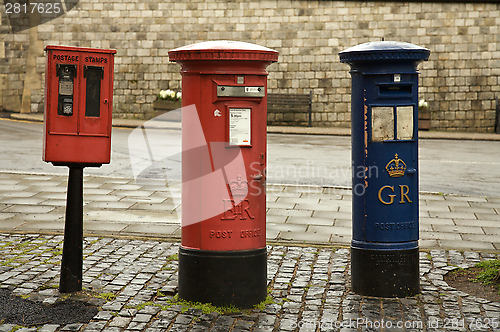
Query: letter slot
{"type": "Point", "coordinates": [395, 90]}
{"type": "Point", "coordinates": [66, 74]}
{"type": "Point", "coordinates": [94, 76]}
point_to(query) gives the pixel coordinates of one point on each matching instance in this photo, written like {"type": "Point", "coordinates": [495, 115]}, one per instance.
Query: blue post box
{"type": "Point", "coordinates": [384, 134]}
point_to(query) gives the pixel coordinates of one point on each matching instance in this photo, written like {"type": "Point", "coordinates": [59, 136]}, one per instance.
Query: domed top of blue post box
{"type": "Point", "coordinates": [384, 51]}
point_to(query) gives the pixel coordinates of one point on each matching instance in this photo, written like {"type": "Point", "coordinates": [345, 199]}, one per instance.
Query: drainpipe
{"type": "Point", "coordinates": [497, 118]}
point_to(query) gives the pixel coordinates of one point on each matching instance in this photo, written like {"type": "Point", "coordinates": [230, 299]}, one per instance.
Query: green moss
{"type": "Point", "coordinates": [6, 244]}
{"type": "Point", "coordinates": [106, 296]}
{"type": "Point", "coordinates": [143, 305]}
{"type": "Point", "coordinates": [50, 286]}
{"type": "Point", "coordinates": [490, 271]}
{"type": "Point", "coordinates": [94, 241]}
{"type": "Point", "coordinates": [173, 257]}
{"type": "Point", "coordinates": [262, 305]}
{"type": "Point", "coordinates": [22, 249]}
{"type": "Point", "coordinates": [170, 258]}
{"type": "Point", "coordinates": [206, 308]}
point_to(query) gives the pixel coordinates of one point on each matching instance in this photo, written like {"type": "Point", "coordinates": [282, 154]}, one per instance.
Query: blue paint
{"type": "Point", "coordinates": [385, 207]}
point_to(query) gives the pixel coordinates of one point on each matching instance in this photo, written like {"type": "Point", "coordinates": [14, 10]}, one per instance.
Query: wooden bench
{"type": "Point", "coordinates": [289, 109]}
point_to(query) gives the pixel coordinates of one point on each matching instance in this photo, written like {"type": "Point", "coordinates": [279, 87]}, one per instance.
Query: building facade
{"type": "Point", "coordinates": [460, 81]}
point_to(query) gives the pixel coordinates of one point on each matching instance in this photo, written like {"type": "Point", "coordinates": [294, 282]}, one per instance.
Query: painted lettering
{"type": "Point", "coordinates": [394, 226]}
{"type": "Point", "coordinates": [66, 57]}
{"type": "Point", "coordinates": [246, 233]}
{"type": "Point", "coordinates": [241, 211]}
{"type": "Point", "coordinates": [220, 234]}
{"type": "Point", "coordinates": [391, 196]}
{"type": "Point", "coordinates": [96, 59]}
{"type": "Point", "coordinates": [388, 199]}
{"type": "Point", "coordinates": [229, 210]}
{"type": "Point", "coordinates": [404, 193]}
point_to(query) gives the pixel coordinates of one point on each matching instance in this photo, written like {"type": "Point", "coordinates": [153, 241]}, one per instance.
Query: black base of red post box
{"type": "Point", "coordinates": [223, 278]}
{"type": "Point", "coordinates": [381, 273]}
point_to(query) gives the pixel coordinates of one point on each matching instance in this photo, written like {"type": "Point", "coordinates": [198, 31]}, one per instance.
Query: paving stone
{"type": "Point", "coordinates": [112, 329]}
{"type": "Point", "coordinates": [466, 245]}
{"type": "Point", "coordinates": [104, 315]}
{"type": "Point", "coordinates": [120, 322]}
{"type": "Point", "coordinates": [97, 326]}
{"type": "Point", "coordinates": [142, 318]}
{"type": "Point", "coordinates": [72, 327]}
{"type": "Point", "coordinates": [49, 328]}
{"type": "Point", "coordinates": [263, 329]}
{"type": "Point", "coordinates": [481, 237]}
{"type": "Point", "coordinates": [298, 236]}
{"type": "Point", "coordinates": [441, 221]}
{"type": "Point", "coordinates": [6, 327]}
{"type": "Point", "coordinates": [18, 207]}
{"type": "Point", "coordinates": [464, 198]}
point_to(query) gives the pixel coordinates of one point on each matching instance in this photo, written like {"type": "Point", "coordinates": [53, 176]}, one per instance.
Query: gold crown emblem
{"type": "Point", "coordinates": [396, 167]}
{"type": "Point", "coordinates": [238, 187]}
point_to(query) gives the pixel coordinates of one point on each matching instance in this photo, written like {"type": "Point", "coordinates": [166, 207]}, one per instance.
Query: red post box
{"type": "Point", "coordinates": [78, 105]}
{"type": "Point", "coordinates": [222, 258]}
{"type": "Point", "coordinates": [77, 134]}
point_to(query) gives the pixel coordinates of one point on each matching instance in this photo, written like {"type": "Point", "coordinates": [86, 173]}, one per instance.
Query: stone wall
{"type": "Point", "coordinates": [460, 81]}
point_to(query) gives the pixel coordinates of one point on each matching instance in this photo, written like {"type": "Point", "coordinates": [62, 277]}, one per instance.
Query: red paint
{"type": "Point", "coordinates": [241, 223]}
{"type": "Point", "coordinates": [77, 139]}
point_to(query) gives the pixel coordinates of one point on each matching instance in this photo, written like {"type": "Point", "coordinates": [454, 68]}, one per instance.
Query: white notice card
{"type": "Point", "coordinates": [239, 126]}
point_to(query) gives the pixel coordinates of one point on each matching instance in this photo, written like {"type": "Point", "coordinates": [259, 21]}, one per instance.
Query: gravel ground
{"type": "Point", "coordinates": [23, 312]}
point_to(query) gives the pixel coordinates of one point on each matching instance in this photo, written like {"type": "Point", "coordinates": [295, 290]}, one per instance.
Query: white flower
{"type": "Point", "coordinates": [422, 104]}
{"type": "Point", "coordinates": [169, 95]}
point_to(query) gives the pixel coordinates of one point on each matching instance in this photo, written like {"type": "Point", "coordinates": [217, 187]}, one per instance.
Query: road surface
{"type": "Point", "coordinates": [447, 166]}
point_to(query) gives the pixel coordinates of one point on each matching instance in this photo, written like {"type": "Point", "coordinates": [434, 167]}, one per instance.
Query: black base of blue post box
{"type": "Point", "coordinates": [223, 277]}
{"type": "Point", "coordinates": [385, 273]}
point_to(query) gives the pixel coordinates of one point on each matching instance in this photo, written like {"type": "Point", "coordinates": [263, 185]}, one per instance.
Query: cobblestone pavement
{"type": "Point", "coordinates": [295, 214]}
{"type": "Point", "coordinates": [134, 281]}
{"type": "Point", "coordinates": [130, 266]}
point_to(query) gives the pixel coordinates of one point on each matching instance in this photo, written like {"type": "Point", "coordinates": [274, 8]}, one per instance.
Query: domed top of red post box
{"type": "Point", "coordinates": [234, 55]}
{"type": "Point", "coordinates": [223, 50]}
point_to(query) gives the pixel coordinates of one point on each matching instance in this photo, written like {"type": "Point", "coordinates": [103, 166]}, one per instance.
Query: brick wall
{"type": "Point", "coordinates": [460, 81]}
